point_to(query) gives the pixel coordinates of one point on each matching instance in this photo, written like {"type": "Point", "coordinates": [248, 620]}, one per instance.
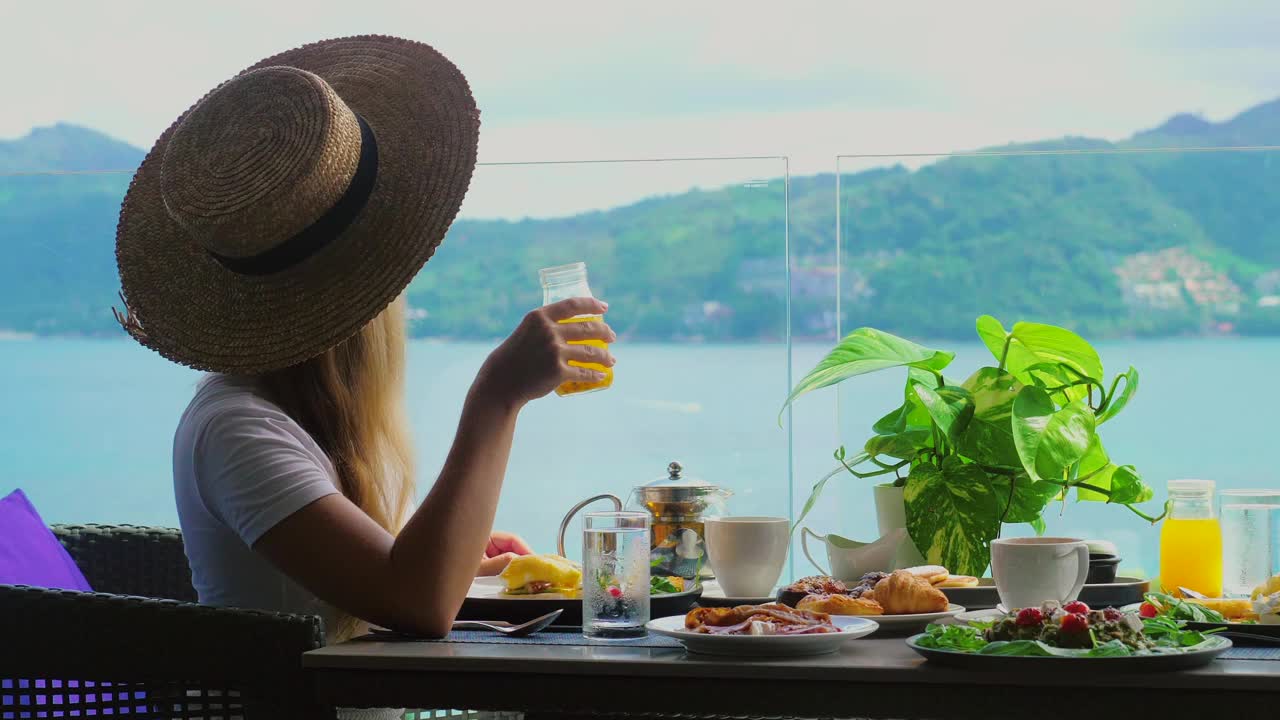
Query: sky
{"type": "Point", "coordinates": [593, 81]}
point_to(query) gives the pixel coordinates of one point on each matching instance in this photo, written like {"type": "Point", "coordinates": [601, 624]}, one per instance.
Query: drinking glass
{"type": "Point", "coordinates": [570, 281]}
{"type": "Point", "coordinates": [615, 575]}
{"type": "Point", "coordinates": [1249, 534]}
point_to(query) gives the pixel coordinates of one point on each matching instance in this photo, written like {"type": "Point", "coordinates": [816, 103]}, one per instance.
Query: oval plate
{"type": "Point", "coordinates": [1158, 662]}
{"type": "Point", "coordinates": [851, 628]}
{"type": "Point", "coordinates": [486, 601]}
{"type": "Point", "coordinates": [907, 624]}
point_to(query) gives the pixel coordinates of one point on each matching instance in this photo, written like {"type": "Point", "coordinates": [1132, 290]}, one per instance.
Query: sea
{"type": "Point", "coordinates": [86, 427]}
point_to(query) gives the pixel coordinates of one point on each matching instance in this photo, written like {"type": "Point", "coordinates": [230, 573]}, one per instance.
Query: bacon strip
{"type": "Point", "coordinates": [738, 620]}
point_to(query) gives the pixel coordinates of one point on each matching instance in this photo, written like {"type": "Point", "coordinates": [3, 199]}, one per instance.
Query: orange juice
{"type": "Point", "coordinates": [1191, 555]}
{"type": "Point", "coordinates": [572, 387]}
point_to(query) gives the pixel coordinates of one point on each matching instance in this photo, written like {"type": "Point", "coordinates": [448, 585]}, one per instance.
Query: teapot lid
{"type": "Point", "coordinates": [676, 479]}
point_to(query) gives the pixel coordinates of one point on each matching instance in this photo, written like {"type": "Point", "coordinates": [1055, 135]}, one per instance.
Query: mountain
{"type": "Point", "coordinates": [1109, 243]}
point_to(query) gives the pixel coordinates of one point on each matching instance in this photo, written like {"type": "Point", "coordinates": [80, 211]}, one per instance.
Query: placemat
{"type": "Point", "coordinates": [1251, 653]}
{"type": "Point", "coordinates": [550, 636]}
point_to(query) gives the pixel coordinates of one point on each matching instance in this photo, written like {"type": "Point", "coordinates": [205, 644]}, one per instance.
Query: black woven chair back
{"type": "Point", "coordinates": [130, 560]}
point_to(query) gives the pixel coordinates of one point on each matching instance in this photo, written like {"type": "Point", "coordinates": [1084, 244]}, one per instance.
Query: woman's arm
{"type": "Point", "coordinates": [416, 581]}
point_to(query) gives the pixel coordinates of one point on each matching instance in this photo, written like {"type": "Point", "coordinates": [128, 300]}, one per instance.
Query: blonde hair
{"type": "Point", "coordinates": [351, 401]}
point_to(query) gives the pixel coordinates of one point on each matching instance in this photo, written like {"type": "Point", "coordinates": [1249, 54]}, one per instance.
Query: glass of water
{"type": "Point", "coordinates": [1250, 531]}
{"type": "Point", "coordinates": [615, 574]}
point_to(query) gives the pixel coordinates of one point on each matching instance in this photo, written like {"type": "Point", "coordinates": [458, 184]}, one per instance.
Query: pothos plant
{"type": "Point", "coordinates": [995, 448]}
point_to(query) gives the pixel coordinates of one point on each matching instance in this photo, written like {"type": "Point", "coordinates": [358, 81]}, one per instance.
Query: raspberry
{"type": "Point", "coordinates": [1147, 610]}
{"type": "Point", "coordinates": [1075, 607]}
{"type": "Point", "coordinates": [1112, 615]}
{"type": "Point", "coordinates": [1028, 617]}
{"type": "Point", "coordinates": [1073, 623]}
{"type": "Point", "coordinates": [615, 592]}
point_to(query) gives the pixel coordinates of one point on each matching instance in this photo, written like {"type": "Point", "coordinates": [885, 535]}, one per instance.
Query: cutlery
{"type": "Point", "coordinates": [1189, 593]}
{"type": "Point", "coordinates": [1250, 637]}
{"type": "Point", "coordinates": [499, 626]}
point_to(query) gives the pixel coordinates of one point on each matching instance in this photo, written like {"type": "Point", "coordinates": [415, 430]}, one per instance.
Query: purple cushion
{"type": "Point", "coordinates": [29, 553]}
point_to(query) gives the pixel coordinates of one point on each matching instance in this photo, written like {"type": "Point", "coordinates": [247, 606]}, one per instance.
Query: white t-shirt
{"type": "Point", "coordinates": [240, 466]}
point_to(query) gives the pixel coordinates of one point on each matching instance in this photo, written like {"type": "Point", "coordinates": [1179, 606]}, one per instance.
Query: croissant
{"type": "Point", "coordinates": [903, 593]}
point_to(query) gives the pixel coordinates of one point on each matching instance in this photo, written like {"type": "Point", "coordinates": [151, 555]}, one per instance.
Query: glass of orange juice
{"type": "Point", "coordinates": [1191, 540]}
{"type": "Point", "coordinates": [561, 283]}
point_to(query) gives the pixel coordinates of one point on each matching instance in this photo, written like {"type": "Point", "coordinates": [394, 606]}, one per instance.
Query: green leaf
{"type": "Point", "coordinates": [950, 407]}
{"type": "Point", "coordinates": [1097, 467]}
{"type": "Point", "coordinates": [1048, 440]}
{"type": "Point", "coordinates": [1111, 648]}
{"type": "Point", "coordinates": [863, 351]}
{"type": "Point", "coordinates": [1121, 396]}
{"type": "Point", "coordinates": [1038, 525]}
{"type": "Point", "coordinates": [952, 515]}
{"type": "Point", "coordinates": [1037, 343]}
{"type": "Point", "coordinates": [911, 414]}
{"type": "Point", "coordinates": [993, 335]}
{"type": "Point", "coordinates": [1029, 497]}
{"type": "Point", "coordinates": [1028, 648]}
{"type": "Point", "coordinates": [989, 437]}
{"type": "Point", "coordinates": [904, 445]}
{"type": "Point", "coordinates": [1127, 487]}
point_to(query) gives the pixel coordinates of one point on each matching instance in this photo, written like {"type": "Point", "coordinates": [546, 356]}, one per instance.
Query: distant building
{"type": "Point", "coordinates": [1173, 278]}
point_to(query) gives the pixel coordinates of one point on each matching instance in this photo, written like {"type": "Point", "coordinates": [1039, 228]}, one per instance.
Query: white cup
{"type": "Point", "coordinates": [1031, 571]}
{"type": "Point", "coordinates": [747, 553]}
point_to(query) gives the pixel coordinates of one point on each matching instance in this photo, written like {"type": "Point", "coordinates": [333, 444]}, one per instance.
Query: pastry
{"type": "Point", "coordinates": [933, 573]}
{"type": "Point", "coordinates": [840, 605]}
{"type": "Point", "coordinates": [904, 593]}
{"type": "Point", "coordinates": [817, 585]}
{"type": "Point", "coordinates": [958, 581]}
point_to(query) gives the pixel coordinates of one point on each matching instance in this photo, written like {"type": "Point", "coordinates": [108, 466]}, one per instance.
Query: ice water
{"type": "Point", "coordinates": [1246, 546]}
{"type": "Point", "coordinates": [615, 582]}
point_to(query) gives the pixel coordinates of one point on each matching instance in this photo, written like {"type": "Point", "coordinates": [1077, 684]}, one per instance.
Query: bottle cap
{"type": "Point", "coordinates": [1190, 487]}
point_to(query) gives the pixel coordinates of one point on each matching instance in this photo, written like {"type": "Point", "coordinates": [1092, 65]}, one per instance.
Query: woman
{"type": "Point", "coordinates": [267, 238]}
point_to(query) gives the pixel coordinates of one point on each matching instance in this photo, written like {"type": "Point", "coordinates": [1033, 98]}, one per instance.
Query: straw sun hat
{"type": "Point", "coordinates": [294, 202]}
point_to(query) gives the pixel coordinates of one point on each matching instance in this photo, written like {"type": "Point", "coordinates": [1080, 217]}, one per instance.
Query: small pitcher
{"type": "Point", "coordinates": [849, 559]}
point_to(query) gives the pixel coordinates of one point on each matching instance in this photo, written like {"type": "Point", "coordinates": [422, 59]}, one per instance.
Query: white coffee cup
{"type": "Point", "coordinates": [1031, 571]}
{"type": "Point", "coordinates": [747, 553]}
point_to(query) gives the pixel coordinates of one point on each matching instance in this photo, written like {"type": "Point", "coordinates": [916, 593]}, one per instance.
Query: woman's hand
{"type": "Point", "coordinates": [535, 359]}
{"type": "Point", "coordinates": [502, 547]}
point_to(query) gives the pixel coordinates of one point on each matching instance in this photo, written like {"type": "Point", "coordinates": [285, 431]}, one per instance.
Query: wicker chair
{"type": "Point", "coordinates": [140, 646]}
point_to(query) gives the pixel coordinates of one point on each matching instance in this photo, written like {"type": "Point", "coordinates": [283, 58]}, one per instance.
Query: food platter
{"type": "Point", "coordinates": [1123, 591]}
{"type": "Point", "coordinates": [1242, 633]}
{"type": "Point", "coordinates": [1054, 636]}
{"type": "Point", "coordinates": [486, 601]}
{"type": "Point", "coordinates": [851, 628]}
{"type": "Point", "coordinates": [1186, 659]}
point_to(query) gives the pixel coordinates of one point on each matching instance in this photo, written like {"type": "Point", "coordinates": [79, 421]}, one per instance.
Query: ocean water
{"type": "Point", "coordinates": [86, 428]}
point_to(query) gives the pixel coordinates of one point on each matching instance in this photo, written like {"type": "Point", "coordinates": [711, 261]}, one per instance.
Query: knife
{"type": "Point", "coordinates": [1189, 593]}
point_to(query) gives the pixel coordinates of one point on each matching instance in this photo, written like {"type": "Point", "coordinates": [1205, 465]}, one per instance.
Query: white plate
{"type": "Point", "coordinates": [902, 623]}
{"type": "Point", "coordinates": [979, 615]}
{"type": "Point", "coordinates": [492, 588]}
{"type": "Point", "coordinates": [851, 628]}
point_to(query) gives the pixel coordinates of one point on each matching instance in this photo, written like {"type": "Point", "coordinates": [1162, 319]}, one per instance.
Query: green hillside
{"type": "Point", "coordinates": [1134, 243]}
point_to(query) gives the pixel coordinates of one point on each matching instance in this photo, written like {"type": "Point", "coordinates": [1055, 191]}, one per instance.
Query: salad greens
{"type": "Point", "coordinates": [1166, 633]}
{"type": "Point", "coordinates": [1172, 608]}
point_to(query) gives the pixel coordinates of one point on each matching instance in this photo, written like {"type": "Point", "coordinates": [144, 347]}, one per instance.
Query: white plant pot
{"type": "Point", "coordinates": [891, 514]}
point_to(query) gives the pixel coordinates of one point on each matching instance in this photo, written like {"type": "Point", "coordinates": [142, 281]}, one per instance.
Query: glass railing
{"type": "Point", "coordinates": [691, 254]}
{"type": "Point", "coordinates": [1164, 259]}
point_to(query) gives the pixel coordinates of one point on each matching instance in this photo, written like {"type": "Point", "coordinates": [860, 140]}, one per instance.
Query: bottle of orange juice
{"type": "Point", "coordinates": [561, 283]}
{"type": "Point", "coordinates": [1191, 540]}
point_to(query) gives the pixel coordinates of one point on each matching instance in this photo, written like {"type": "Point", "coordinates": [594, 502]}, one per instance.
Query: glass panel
{"type": "Point", "coordinates": [690, 254]}
{"type": "Point", "coordinates": [1167, 260]}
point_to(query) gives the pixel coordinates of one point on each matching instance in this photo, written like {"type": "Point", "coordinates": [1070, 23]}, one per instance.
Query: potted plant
{"type": "Point", "coordinates": [995, 448]}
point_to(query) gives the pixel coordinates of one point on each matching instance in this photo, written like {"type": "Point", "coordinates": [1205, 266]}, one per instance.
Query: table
{"type": "Point", "coordinates": [871, 678]}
